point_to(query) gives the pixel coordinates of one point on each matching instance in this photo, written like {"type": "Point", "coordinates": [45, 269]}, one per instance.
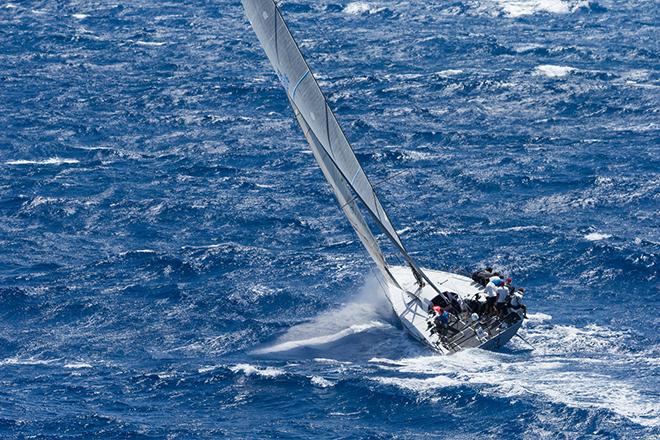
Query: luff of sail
{"type": "Point", "coordinates": [328, 142]}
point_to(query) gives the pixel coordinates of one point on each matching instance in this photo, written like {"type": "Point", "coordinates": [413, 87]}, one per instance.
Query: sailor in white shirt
{"type": "Point", "coordinates": [491, 293]}
{"type": "Point", "coordinates": [517, 305]}
{"type": "Point", "coordinates": [502, 292]}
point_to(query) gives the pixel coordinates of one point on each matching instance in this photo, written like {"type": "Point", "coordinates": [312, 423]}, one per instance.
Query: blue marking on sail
{"type": "Point", "coordinates": [293, 93]}
{"type": "Point", "coordinates": [354, 176]}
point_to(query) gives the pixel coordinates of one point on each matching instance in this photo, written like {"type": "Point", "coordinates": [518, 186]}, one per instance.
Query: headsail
{"type": "Point", "coordinates": [326, 138]}
{"type": "Point", "coordinates": [344, 196]}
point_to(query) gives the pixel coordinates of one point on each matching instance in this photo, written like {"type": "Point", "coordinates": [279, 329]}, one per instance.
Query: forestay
{"type": "Point", "coordinates": [326, 138]}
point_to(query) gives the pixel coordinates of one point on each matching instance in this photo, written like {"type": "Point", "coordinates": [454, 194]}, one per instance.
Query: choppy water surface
{"type": "Point", "coordinates": [172, 264]}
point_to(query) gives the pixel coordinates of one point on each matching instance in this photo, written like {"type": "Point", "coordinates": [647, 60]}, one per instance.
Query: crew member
{"type": "Point", "coordinates": [516, 305]}
{"type": "Point", "coordinates": [502, 294]}
{"type": "Point", "coordinates": [491, 293]}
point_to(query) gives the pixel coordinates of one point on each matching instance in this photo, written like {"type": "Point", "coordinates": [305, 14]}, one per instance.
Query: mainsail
{"type": "Point", "coordinates": [324, 135]}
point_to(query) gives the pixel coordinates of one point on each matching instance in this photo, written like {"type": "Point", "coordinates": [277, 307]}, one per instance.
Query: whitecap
{"type": "Point", "coordinates": [597, 236]}
{"type": "Point", "coordinates": [538, 317]}
{"type": "Point", "coordinates": [450, 72]}
{"type": "Point", "coordinates": [321, 382]}
{"type": "Point", "coordinates": [552, 71]}
{"type": "Point", "coordinates": [77, 365]}
{"type": "Point", "coordinates": [80, 16]}
{"type": "Point", "coordinates": [519, 8]}
{"type": "Point", "coordinates": [150, 43]}
{"type": "Point", "coordinates": [50, 161]}
{"type": "Point", "coordinates": [359, 8]}
{"type": "Point", "coordinates": [28, 361]}
{"type": "Point", "coordinates": [331, 361]}
{"type": "Point", "coordinates": [250, 370]}
{"type": "Point", "coordinates": [422, 386]}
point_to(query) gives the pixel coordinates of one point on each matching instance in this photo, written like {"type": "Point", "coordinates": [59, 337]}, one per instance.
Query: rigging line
{"type": "Point", "coordinates": [527, 342]}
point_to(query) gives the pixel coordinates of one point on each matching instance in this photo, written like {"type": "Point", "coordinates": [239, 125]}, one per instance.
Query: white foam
{"type": "Point", "coordinates": [559, 370]}
{"type": "Point", "coordinates": [207, 369]}
{"type": "Point", "coordinates": [366, 311]}
{"type": "Point", "coordinates": [250, 370]}
{"type": "Point", "coordinates": [80, 16]}
{"type": "Point", "coordinates": [359, 8]}
{"type": "Point", "coordinates": [331, 361]}
{"type": "Point", "coordinates": [419, 385]}
{"type": "Point", "coordinates": [137, 251]}
{"type": "Point", "coordinates": [450, 72]}
{"type": "Point", "coordinates": [77, 365]}
{"type": "Point", "coordinates": [28, 361]}
{"type": "Point", "coordinates": [324, 339]}
{"type": "Point", "coordinates": [321, 382]}
{"type": "Point", "coordinates": [519, 8]}
{"type": "Point", "coordinates": [538, 317]}
{"type": "Point", "coordinates": [50, 161]}
{"type": "Point", "coordinates": [150, 43]}
{"type": "Point", "coordinates": [597, 236]}
{"type": "Point", "coordinates": [552, 71]}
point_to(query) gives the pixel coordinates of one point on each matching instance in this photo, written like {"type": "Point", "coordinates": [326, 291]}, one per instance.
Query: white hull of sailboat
{"type": "Point", "coordinates": [411, 304]}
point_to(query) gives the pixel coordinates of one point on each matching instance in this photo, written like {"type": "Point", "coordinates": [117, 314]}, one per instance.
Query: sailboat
{"type": "Point", "coordinates": [418, 296]}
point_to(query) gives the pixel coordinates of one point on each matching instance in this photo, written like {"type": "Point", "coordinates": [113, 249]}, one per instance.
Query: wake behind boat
{"type": "Point", "coordinates": [448, 312]}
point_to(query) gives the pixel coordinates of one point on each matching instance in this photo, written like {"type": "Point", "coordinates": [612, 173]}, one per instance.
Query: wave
{"type": "Point", "coordinates": [251, 370]}
{"type": "Point", "coordinates": [520, 8]}
{"type": "Point", "coordinates": [359, 8]}
{"type": "Point", "coordinates": [596, 236]}
{"type": "Point", "coordinates": [368, 310]}
{"type": "Point", "coordinates": [50, 161]}
{"type": "Point", "coordinates": [321, 340]}
{"type": "Point", "coordinates": [552, 71]}
{"type": "Point", "coordinates": [560, 370]}
{"type": "Point", "coordinates": [77, 365]}
{"type": "Point", "coordinates": [150, 43]}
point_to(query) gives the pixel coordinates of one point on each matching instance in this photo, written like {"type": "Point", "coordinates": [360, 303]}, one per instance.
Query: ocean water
{"type": "Point", "coordinates": [174, 266]}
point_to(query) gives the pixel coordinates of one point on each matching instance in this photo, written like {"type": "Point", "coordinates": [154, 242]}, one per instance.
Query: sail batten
{"type": "Point", "coordinates": [325, 136]}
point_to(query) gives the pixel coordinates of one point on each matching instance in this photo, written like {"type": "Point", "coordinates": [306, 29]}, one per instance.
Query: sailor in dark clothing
{"type": "Point", "coordinates": [475, 304]}
{"type": "Point", "coordinates": [482, 276]}
{"type": "Point", "coordinates": [442, 323]}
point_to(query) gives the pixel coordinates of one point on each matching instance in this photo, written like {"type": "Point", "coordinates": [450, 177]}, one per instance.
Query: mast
{"type": "Point", "coordinates": [325, 136]}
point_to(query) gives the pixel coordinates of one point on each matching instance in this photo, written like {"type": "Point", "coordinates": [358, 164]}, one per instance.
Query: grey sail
{"type": "Point", "coordinates": [344, 197]}
{"type": "Point", "coordinates": [326, 138]}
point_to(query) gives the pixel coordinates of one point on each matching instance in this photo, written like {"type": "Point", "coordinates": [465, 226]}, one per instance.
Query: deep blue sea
{"type": "Point", "coordinates": [174, 266]}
